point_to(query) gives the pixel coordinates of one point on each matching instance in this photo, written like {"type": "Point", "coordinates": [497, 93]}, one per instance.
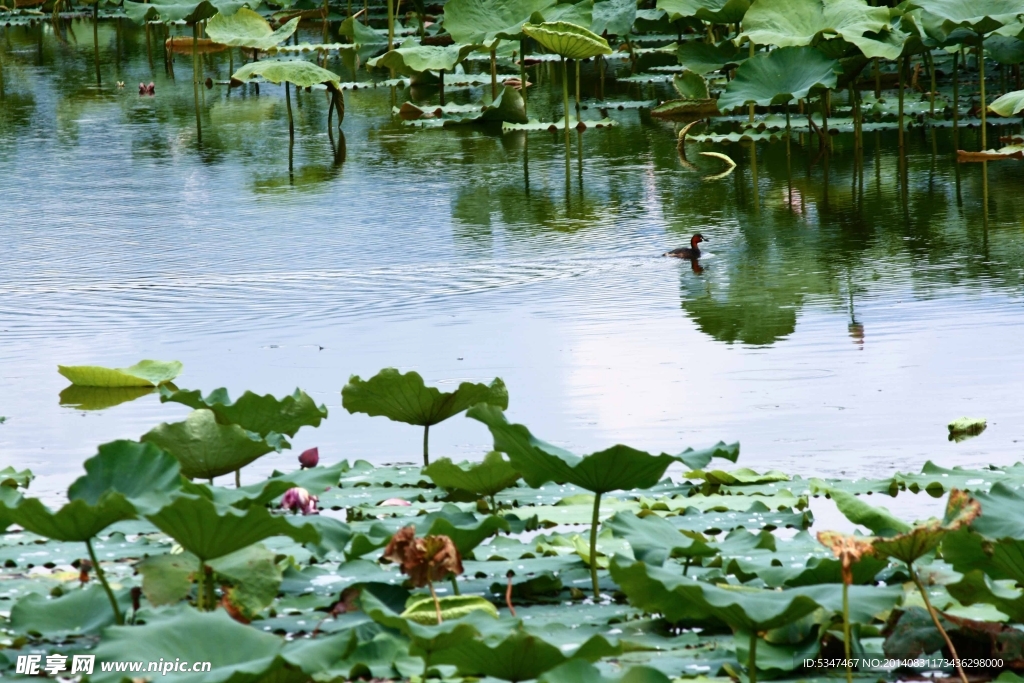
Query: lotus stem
{"type": "Point", "coordinates": [846, 629]}
{"type": "Point", "coordinates": [96, 38]}
{"type": "Point", "coordinates": [522, 70]}
{"type": "Point", "coordinates": [686, 565]}
{"type": "Point", "coordinates": [440, 75]}
{"type": "Point", "coordinates": [326, 12]}
{"type": "Point", "coordinates": [750, 109]}
{"type": "Point", "coordinates": [752, 658]}
{"type": "Point", "coordinates": [494, 71]}
{"type": "Point", "coordinates": [981, 81]}
{"type": "Point", "coordinates": [956, 96]}
{"type": "Point", "coordinates": [901, 65]}
{"type": "Point", "coordinates": [195, 81]}
{"type": "Point", "coordinates": [935, 620]}
{"type": "Point", "coordinates": [578, 116]}
{"type": "Point", "coordinates": [455, 585]}
{"type": "Point", "coordinates": [426, 451]}
{"type": "Point", "coordinates": [101, 575]}
{"type": "Point", "coordinates": [593, 545]}
{"type": "Point", "coordinates": [288, 102]}
{"type": "Point", "coordinates": [211, 601]}
{"type": "Point", "coordinates": [200, 588]}
{"type": "Point", "coordinates": [437, 603]}
{"type": "Point", "coordinates": [565, 101]}
{"type": "Point", "coordinates": [238, 473]}
{"type": "Point", "coordinates": [366, 12]}
{"type": "Point", "coordinates": [824, 117]}
{"type": "Point", "coordinates": [391, 24]}
{"type": "Point", "coordinates": [508, 595]}
{"type": "Point", "coordinates": [931, 90]}
{"type": "Point", "coordinates": [878, 79]}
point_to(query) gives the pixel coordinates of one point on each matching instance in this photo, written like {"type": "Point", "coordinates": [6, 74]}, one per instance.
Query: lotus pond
{"type": "Point", "coordinates": [285, 195]}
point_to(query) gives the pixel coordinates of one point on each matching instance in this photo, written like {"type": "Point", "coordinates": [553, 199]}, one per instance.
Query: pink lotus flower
{"type": "Point", "coordinates": [309, 458]}
{"type": "Point", "coordinates": [147, 89]}
{"type": "Point", "coordinates": [299, 500]}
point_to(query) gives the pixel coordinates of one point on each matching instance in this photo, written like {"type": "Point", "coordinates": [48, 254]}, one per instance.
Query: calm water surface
{"type": "Point", "coordinates": [846, 311]}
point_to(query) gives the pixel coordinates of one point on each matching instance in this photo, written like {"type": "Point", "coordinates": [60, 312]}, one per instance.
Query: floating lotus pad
{"type": "Point", "coordinates": [147, 373]}
{"type": "Point", "coordinates": [246, 28]}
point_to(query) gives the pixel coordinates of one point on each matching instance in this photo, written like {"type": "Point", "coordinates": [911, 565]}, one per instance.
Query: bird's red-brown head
{"type": "Point", "coordinates": [696, 239]}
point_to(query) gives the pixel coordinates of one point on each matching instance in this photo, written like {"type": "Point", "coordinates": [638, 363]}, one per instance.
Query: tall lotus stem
{"type": "Point", "coordinates": [956, 96]}
{"type": "Point", "coordinates": [96, 38]}
{"type": "Point", "coordinates": [578, 116]}
{"type": "Point", "coordinates": [593, 545]}
{"type": "Point", "coordinates": [935, 620]}
{"type": "Point", "coordinates": [118, 617]}
{"type": "Point", "coordinates": [494, 71]}
{"type": "Point", "coordinates": [288, 101]}
{"type": "Point", "coordinates": [437, 603]}
{"type": "Point", "coordinates": [200, 588]}
{"type": "Point", "coordinates": [565, 104]}
{"type": "Point", "coordinates": [878, 79]}
{"type": "Point", "coordinates": [455, 584]}
{"type": "Point", "coordinates": [901, 65]}
{"type": "Point", "coordinates": [824, 116]}
{"type": "Point", "coordinates": [751, 108]}
{"type": "Point", "coordinates": [326, 11]}
{"type": "Point", "coordinates": [522, 70]}
{"type": "Point", "coordinates": [440, 75]}
{"type": "Point", "coordinates": [752, 658]}
{"type": "Point", "coordinates": [931, 93]}
{"type": "Point", "coordinates": [981, 80]}
{"type": "Point", "coordinates": [391, 24]}
{"type": "Point", "coordinates": [426, 451]}
{"type": "Point", "coordinates": [846, 631]}
{"type": "Point", "coordinates": [195, 80]}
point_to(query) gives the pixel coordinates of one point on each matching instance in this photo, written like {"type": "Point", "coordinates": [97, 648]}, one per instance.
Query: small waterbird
{"type": "Point", "coordinates": [691, 252]}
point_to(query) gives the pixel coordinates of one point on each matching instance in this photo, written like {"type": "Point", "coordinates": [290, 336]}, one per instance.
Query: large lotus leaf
{"type": "Point", "coordinates": [714, 11]}
{"type": "Point", "coordinates": [169, 11]}
{"type": "Point", "coordinates": [298, 72]}
{"type": "Point", "coordinates": [140, 472]}
{"type": "Point", "coordinates": [360, 33]}
{"type": "Point", "coordinates": [909, 546]}
{"type": "Point", "coordinates": [77, 613]}
{"type": "Point", "coordinates": [205, 448]}
{"type": "Point", "coordinates": [76, 521]}
{"type": "Point", "coordinates": [615, 17]}
{"type": "Point", "coordinates": [619, 467]}
{"type": "Point", "coordinates": [981, 16]}
{"type": "Point", "coordinates": [580, 13]}
{"type": "Point", "coordinates": [485, 478]}
{"type": "Point", "coordinates": [568, 40]}
{"type": "Point", "coordinates": [260, 414]}
{"type": "Point", "coordinates": [978, 587]}
{"type": "Point", "coordinates": [744, 608]}
{"type": "Point", "coordinates": [147, 373]}
{"type": "Point", "coordinates": [465, 530]}
{"type": "Point", "coordinates": [779, 76]}
{"type": "Point", "coordinates": [802, 22]}
{"type": "Point", "coordinates": [702, 58]}
{"type": "Point", "coordinates": [414, 59]}
{"type": "Point", "coordinates": [405, 398]}
{"type": "Point", "coordinates": [100, 398]}
{"type": "Point", "coordinates": [167, 578]}
{"type": "Point", "coordinates": [654, 540]}
{"type": "Point", "coordinates": [254, 576]}
{"type": "Point", "coordinates": [15, 478]}
{"type": "Point", "coordinates": [1009, 104]}
{"type": "Point", "coordinates": [1002, 560]}
{"type": "Point", "coordinates": [1002, 513]}
{"type": "Point", "coordinates": [210, 531]}
{"type": "Point", "coordinates": [877, 519]}
{"type": "Point", "coordinates": [246, 28]}
{"type": "Point", "coordinates": [582, 671]}
{"type": "Point", "coordinates": [484, 21]}
{"type": "Point", "coordinates": [691, 85]}
{"type": "Point", "coordinates": [1005, 49]}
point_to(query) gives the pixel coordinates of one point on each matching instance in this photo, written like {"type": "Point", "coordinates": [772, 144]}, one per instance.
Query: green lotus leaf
{"type": "Point", "coordinates": [209, 531]}
{"type": "Point", "coordinates": [334, 535]}
{"type": "Point", "coordinates": [582, 671]}
{"type": "Point", "coordinates": [714, 11]}
{"type": "Point", "coordinates": [405, 397]}
{"type": "Point", "coordinates": [921, 539]}
{"type": "Point", "coordinates": [691, 85]}
{"type": "Point", "coordinates": [15, 478]}
{"type": "Point", "coordinates": [484, 21]}
{"type": "Point", "coordinates": [465, 530]}
{"type": "Point", "coordinates": [654, 540]}
{"type": "Point", "coordinates": [981, 16]}
{"type": "Point", "coordinates": [796, 23]}
{"type": "Point", "coordinates": [686, 109]}
{"type": "Point", "coordinates": [361, 34]}
{"type": "Point", "coordinates": [485, 478]}
{"type": "Point", "coordinates": [744, 608]}
{"type": "Point", "coordinates": [79, 612]}
{"type": "Point", "coordinates": [702, 58]}
{"type": "Point", "coordinates": [170, 11]}
{"type": "Point", "coordinates": [580, 13]}
{"type": "Point", "coordinates": [454, 607]}
{"type": "Point", "coordinates": [414, 59]}
{"type": "Point", "coordinates": [140, 472]}
{"type": "Point", "coordinates": [779, 76]}
{"type": "Point", "coordinates": [1005, 49]}
{"type": "Point", "coordinates": [1009, 104]}
{"type": "Point", "coordinates": [246, 28]}
{"type": "Point", "coordinates": [617, 468]}
{"type": "Point", "coordinates": [615, 17]}
{"type": "Point", "coordinates": [1002, 513]}
{"type": "Point", "coordinates": [100, 398]}
{"type": "Point", "coordinates": [254, 576]}
{"type": "Point", "coordinates": [298, 72]}
{"type": "Point", "coordinates": [977, 586]}
{"type": "Point", "coordinates": [77, 521]}
{"type": "Point", "coordinates": [167, 578]}
{"type": "Point", "coordinates": [255, 413]}
{"type": "Point", "coordinates": [568, 40]}
{"type": "Point", "coordinates": [879, 520]}
{"type": "Point", "coordinates": [967, 425]}
{"type": "Point", "coordinates": [147, 373]}
{"type": "Point", "coordinates": [205, 448]}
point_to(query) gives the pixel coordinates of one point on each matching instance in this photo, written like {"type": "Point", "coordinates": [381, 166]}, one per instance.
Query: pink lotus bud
{"type": "Point", "coordinates": [397, 502]}
{"type": "Point", "coordinates": [299, 500]}
{"type": "Point", "coordinates": [309, 458]}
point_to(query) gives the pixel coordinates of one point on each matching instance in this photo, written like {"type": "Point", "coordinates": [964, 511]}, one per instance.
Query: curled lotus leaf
{"type": "Point", "coordinates": [568, 40]}
{"type": "Point", "coordinates": [714, 11]}
{"type": "Point", "coordinates": [779, 76]}
{"type": "Point", "coordinates": [260, 414]}
{"type": "Point", "coordinates": [170, 11]}
{"type": "Point", "coordinates": [485, 478]}
{"type": "Point", "coordinates": [654, 540]}
{"type": "Point", "coordinates": [146, 373]}
{"type": "Point", "coordinates": [980, 16]}
{"type": "Point", "coordinates": [246, 28]}
{"type": "Point", "coordinates": [908, 547]}
{"type": "Point", "coordinates": [424, 611]}
{"type": "Point", "coordinates": [138, 471]}
{"type": "Point", "coordinates": [787, 23]}
{"type": "Point", "coordinates": [298, 72]}
{"type": "Point", "coordinates": [414, 59]}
